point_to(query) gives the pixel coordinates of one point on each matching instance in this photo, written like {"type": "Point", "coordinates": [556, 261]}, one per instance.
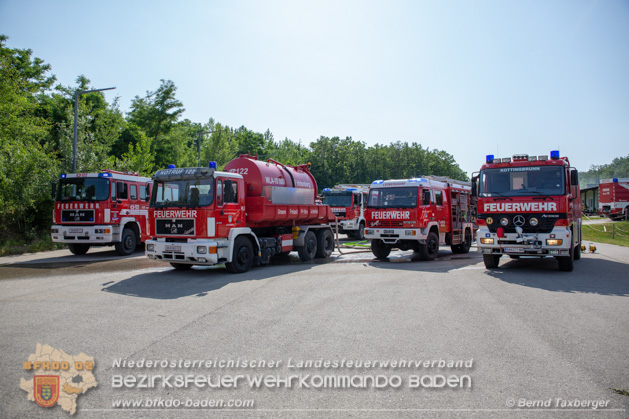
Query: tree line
{"type": "Point", "coordinates": [37, 126]}
{"type": "Point", "coordinates": [618, 168]}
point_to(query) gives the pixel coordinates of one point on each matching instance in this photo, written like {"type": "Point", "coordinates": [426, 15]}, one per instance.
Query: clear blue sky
{"type": "Point", "coordinates": [468, 77]}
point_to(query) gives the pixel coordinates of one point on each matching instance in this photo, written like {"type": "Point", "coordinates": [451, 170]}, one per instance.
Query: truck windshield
{"type": "Point", "coordinates": [522, 181]}
{"type": "Point", "coordinates": [338, 200]}
{"type": "Point", "coordinates": [392, 198]}
{"type": "Point", "coordinates": [183, 193]}
{"type": "Point", "coordinates": [83, 189]}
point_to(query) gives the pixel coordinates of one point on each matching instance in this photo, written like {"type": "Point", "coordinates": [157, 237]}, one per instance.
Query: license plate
{"type": "Point", "coordinates": [173, 248]}
{"type": "Point", "coordinates": [388, 232]}
{"type": "Point", "coordinates": [514, 249]}
{"type": "Point", "coordinates": [76, 230]}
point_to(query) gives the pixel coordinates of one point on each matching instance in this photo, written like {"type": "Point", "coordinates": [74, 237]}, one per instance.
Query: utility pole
{"type": "Point", "coordinates": [76, 120]}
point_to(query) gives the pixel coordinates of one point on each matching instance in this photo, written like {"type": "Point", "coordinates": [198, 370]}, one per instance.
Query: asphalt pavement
{"type": "Point", "coordinates": [523, 340]}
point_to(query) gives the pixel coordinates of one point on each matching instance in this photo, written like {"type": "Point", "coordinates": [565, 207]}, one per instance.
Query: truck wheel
{"type": "Point", "coordinates": [361, 232]}
{"type": "Point", "coordinates": [127, 244]}
{"type": "Point", "coordinates": [309, 249]}
{"type": "Point", "coordinates": [577, 252]}
{"type": "Point", "coordinates": [325, 243]}
{"type": "Point", "coordinates": [78, 249]}
{"type": "Point", "coordinates": [242, 259]}
{"type": "Point", "coordinates": [430, 249]}
{"type": "Point", "coordinates": [566, 263]}
{"type": "Point", "coordinates": [380, 249]}
{"type": "Point", "coordinates": [181, 266]}
{"type": "Point", "coordinates": [491, 261]}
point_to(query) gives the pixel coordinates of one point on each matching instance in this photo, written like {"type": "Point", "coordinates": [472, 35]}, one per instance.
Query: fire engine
{"type": "Point", "coordinates": [101, 209]}
{"type": "Point", "coordinates": [348, 204]}
{"type": "Point", "coordinates": [529, 206]}
{"type": "Point", "coordinates": [613, 198]}
{"type": "Point", "coordinates": [420, 214]}
{"type": "Point", "coordinates": [247, 213]}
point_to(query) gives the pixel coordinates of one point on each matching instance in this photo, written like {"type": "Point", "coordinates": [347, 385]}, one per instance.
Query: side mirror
{"type": "Point", "coordinates": [474, 185]}
{"type": "Point", "coordinates": [120, 186]}
{"type": "Point", "coordinates": [574, 176]}
{"type": "Point", "coordinates": [54, 190]}
{"type": "Point", "coordinates": [147, 195]}
{"type": "Point", "coordinates": [425, 197]}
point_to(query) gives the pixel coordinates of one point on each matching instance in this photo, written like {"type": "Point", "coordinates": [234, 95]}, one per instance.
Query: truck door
{"type": "Point", "coordinates": [441, 210]}
{"type": "Point", "coordinates": [230, 204]}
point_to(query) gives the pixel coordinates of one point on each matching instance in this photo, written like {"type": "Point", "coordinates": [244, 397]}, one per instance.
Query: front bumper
{"type": "Point", "coordinates": [540, 244]}
{"type": "Point", "coordinates": [195, 252]}
{"type": "Point", "coordinates": [100, 234]}
{"type": "Point", "coordinates": [393, 235]}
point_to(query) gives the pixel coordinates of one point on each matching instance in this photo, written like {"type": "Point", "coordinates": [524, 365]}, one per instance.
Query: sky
{"type": "Point", "coordinates": [468, 77]}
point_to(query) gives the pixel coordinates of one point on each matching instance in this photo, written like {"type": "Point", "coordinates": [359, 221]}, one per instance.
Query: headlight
{"type": "Point", "coordinates": [150, 247]}
{"type": "Point", "coordinates": [504, 221]}
{"type": "Point", "coordinates": [54, 230]}
{"type": "Point", "coordinates": [534, 222]}
{"type": "Point", "coordinates": [410, 232]}
{"type": "Point", "coordinates": [368, 231]}
{"type": "Point", "coordinates": [201, 250]}
{"type": "Point", "coordinates": [487, 241]}
{"type": "Point", "coordinates": [554, 242]}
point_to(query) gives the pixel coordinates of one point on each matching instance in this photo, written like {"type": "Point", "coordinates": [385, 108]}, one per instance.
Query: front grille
{"type": "Point", "coordinates": [77, 216]}
{"type": "Point", "coordinates": [184, 227]}
{"type": "Point", "coordinates": [545, 225]}
{"type": "Point", "coordinates": [386, 224]}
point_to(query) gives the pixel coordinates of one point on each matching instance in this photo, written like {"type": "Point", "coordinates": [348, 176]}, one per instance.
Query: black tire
{"type": "Point", "coordinates": [360, 235]}
{"type": "Point", "coordinates": [380, 249]}
{"type": "Point", "coordinates": [430, 249]}
{"type": "Point", "coordinates": [309, 249]}
{"type": "Point", "coordinates": [325, 243]}
{"type": "Point", "coordinates": [491, 261]}
{"type": "Point", "coordinates": [78, 248]}
{"type": "Point", "coordinates": [128, 243]}
{"type": "Point", "coordinates": [242, 258]}
{"type": "Point", "coordinates": [577, 252]}
{"type": "Point", "coordinates": [181, 266]}
{"type": "Point", "coordinates": [566, 263]}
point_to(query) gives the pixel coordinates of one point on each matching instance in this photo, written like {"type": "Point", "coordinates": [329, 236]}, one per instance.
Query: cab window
{"type": "Point", "coordinates": [438, 197]}
{"type": "Point", "coordinates": [133, 193]}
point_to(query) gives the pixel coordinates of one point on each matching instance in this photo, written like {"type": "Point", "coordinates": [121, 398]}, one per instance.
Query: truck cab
{"type": "Point", "coordinates": [529, 206]}
{"type": "Point", "coordinates": [348, 202]}
{"type": "Point", "coordinates": [101, 209]}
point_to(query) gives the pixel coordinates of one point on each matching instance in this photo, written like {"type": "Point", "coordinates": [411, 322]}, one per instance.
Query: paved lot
{"type": "Point", "coordinates": [531, 333]}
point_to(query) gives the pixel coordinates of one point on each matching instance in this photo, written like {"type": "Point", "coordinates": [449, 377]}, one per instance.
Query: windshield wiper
{"type": "Point", "coordinates": [541, 195]}
{"type": "Point", "coordinates": [490, 195]}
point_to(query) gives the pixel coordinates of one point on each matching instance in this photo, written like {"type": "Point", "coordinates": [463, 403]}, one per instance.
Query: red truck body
{"type": "Point", "coordinates": [420, 214]}
{"type": "Point", "coordinates": [101, 209]}
{"type": "Point", "coordinates": [247, 213]}
{"type": "Point", "coordinates": [613, 198]}
{"type": "Point", "coordinates": [529, 206]}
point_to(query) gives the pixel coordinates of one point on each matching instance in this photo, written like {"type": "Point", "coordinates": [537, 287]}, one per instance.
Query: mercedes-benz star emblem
{"type": "Point", "coordinates": [519, 220]}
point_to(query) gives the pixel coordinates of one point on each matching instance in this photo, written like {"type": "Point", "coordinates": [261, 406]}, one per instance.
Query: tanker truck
{"type": "Point", "coordinates": [245, 214]}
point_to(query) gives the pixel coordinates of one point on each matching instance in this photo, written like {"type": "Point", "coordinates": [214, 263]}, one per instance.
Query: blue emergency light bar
{"type": "Point", "coordinates": [104, 175]}
{"type": "Point", "coordinates": [212, 165]}
{"type": "Point", "coordinates": [554, 154]}
{"type": "Point", "coordinates": [490, 158]}
{"type": "Point", "coordinates": [326, 190]}
{"type": "Point", "coordinates": [171, 166]}
{"type": "Point", "coordinates": [62, 176]}
{"type": "Point", "coordinates": [377, 182]}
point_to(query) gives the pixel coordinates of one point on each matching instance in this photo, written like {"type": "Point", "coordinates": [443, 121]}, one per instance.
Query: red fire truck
{"type": "Point", "coordinates": [348, 204]}
{"type": "Point", "coordinates": [613, 198]}
{"type": "Point", "coordinates": [529, 206]}
{"type": "Point", "coordinates": [101, 209]}
{"type": "Point", "coordinates": [420, 214]}
{"type": "Point", "coordinates": [245, 214]}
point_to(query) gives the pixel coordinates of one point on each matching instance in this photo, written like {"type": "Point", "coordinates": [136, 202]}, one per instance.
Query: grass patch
{"type": "Point", "coordinates": [602, 233]}
{"type": "Point", "coordinates": [20, 246]}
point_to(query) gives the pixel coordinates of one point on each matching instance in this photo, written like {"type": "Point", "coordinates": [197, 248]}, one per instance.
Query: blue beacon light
{"type": "Point", "coordinates": [171, 166]}
{"type": "Point", "coordinates": [554, 154]}
{"type": "Point", "coordinates": [212, 165]}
